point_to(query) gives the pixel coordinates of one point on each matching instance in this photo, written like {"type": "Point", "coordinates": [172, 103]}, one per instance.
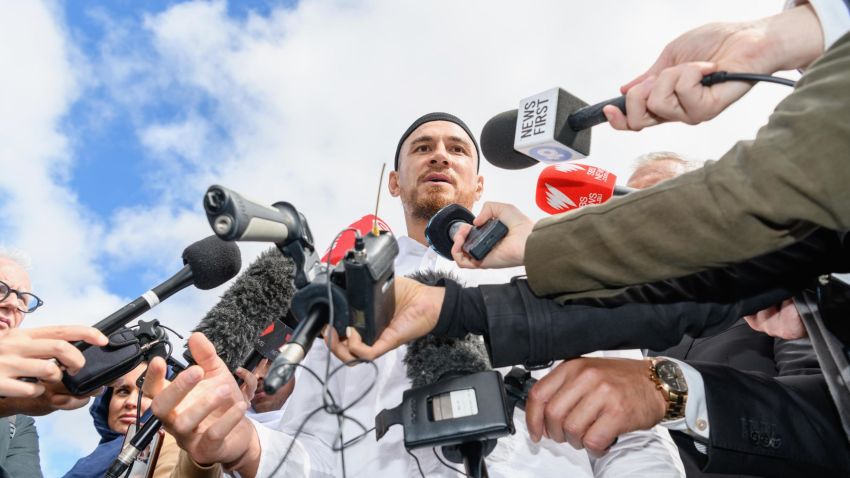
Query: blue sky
{"type": "Point", "coordinates": [116, 116]}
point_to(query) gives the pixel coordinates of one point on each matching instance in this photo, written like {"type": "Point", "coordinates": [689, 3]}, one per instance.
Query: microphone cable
{"type": "Point", "coordinates": [329, 403]}
{"type": "Point", "coordinates": [724, 76]}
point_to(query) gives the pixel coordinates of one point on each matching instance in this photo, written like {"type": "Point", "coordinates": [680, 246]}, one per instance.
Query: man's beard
{"type": "Point", "coordinates": [424, 206]}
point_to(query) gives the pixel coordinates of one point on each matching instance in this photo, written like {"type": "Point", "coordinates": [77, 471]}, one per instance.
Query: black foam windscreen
{"type": "Point", "coordinates": [262, 293]}
{"type": "Point", "coordinates": [212, 261]}
{"type": "Point", "coordinates": [497, 143]}
{"type": "Point", "coordinates": [438, 231]}
{"type": "Point", "coordinates": [431, 358]}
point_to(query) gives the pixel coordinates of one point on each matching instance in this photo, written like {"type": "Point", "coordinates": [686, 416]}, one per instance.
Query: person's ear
{"type": "Point", "coordinates": [479, 188]}
{"type": "Point", "coordinates": [392, 184]}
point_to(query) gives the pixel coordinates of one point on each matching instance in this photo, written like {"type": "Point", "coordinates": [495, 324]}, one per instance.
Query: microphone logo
{"type": "Point", "coordinates": [569, 167]}
{"type": "Point", "coordinates": [557, 199]}
{"type": "Point", "coordinates": [550, 154]}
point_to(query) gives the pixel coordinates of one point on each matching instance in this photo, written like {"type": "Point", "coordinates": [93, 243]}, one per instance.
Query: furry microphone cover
{"type": "Point", "coordinates": [260, 294]}
{"type": "Point", "coordinates": [432, 358]}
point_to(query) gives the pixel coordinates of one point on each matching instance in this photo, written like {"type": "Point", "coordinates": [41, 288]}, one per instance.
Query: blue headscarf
{"type": "Point", "coordinates": [97, 463]}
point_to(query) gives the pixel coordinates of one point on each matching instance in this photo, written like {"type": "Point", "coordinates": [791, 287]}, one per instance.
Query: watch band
{"type": "Point", "coordinates": [676, 401]}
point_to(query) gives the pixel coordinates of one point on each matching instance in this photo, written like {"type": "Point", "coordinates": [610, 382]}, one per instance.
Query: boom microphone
{"type": "Point", "coordinates": [209, 263]}
{"type": "Point", "coordinates": [568, 186]}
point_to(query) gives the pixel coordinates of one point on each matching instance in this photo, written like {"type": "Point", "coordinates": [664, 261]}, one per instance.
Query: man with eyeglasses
{"type": "Point", "coordinates": [39, 355]}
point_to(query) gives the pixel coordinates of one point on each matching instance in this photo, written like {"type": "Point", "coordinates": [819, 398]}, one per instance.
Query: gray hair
{"type": "Point", "coordinates": [17, 256]}
{"type": "Point", "coordinates": [688, 164]}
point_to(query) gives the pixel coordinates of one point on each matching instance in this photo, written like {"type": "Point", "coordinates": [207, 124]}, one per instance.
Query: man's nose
{"type": "Point", "coordinates": [440, 155]}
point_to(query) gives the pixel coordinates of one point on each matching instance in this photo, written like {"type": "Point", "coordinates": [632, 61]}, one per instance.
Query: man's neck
{"type": "Point", "coordinates": [416, 229]}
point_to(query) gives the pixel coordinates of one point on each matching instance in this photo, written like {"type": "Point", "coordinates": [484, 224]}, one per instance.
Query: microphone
{"type": "Point", "coordinates": [550, 127]}
{"type": "Point", "coordinates": [259, 296]}
{"type": "Point", "coordinates": [568, 186]}
{"type": "Point", "coordinates": [209, 263]}
{"type": "Point", "coordinates": [443, 226]}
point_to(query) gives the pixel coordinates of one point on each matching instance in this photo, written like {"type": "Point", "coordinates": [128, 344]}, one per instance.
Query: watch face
{"type": "Point", "coordinates": [669, 374]}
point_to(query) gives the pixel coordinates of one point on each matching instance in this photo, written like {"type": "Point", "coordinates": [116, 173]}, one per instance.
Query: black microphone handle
{"type": "Point", "coordinates": [139, 442]}
{"type": "Point", "coordinates": [142, 304]}
{"type": "Point", "coordinates": [623, 190]}
{"type": "Point", "coordinates": [294, 351]}
{"type": "Point", "coordinates": [592, 115]}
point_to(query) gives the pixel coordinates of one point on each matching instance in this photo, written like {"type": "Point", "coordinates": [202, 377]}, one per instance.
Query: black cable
{"type": "Point", "coordinates": [329, 403]}
{"type": "Point", "coordinates": [722, 76]}
{"type": "Point", "coordinates": [434, 449]}
{"type": "Point", "coordinates": [415, 458]}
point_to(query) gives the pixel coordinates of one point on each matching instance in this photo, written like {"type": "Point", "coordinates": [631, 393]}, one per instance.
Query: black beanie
{"type": "Point", "coordinates": [437, 117]}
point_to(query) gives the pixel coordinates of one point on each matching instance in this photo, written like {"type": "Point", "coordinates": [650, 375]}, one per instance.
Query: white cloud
{"type": "Point", "coordinates": [303, 105]}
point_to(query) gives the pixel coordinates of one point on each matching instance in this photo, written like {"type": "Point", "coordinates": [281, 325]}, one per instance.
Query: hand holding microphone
{"type": "Point", "coordinates": [509, 252]}
{"type": "Point", "coordinates": [672, 88]}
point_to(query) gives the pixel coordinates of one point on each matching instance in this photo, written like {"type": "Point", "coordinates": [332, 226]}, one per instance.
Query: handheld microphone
{"type": "Point", "coordinates": [443, 226]}
{"type": "Point", "coordinates": [209, 263]}
{"type": "Point", "coordinates": [549, 127]}
{"type": "Point", "coordinates": [235, 218]}
{"type": "Point", "coordinates": [564, 187]}
{"type": "Point", "coordinates": [554, 126]}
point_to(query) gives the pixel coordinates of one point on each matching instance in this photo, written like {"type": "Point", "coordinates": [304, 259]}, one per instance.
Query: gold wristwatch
{"type": "Point", "coordinates": [668, 378]}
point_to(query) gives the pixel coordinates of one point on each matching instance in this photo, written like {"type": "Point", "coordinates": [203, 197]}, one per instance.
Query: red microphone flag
{"type": "Point", "coordinates": [568, 186]}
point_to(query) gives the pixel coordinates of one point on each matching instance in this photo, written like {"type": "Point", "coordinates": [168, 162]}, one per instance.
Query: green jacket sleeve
{"type": "Point", "coordinates": [760, 196]}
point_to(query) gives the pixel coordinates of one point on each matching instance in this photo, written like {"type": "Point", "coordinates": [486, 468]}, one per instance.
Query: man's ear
{"type": "Point", "coordinates": [392, 184]}
{"type": "Point", "coordinates": [479, 188]}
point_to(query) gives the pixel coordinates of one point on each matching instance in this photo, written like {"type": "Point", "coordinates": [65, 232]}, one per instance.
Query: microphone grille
{"type": "Point", "coordinates": [213, 262]}
{"type": "Point", "coordinates": [497, 143]}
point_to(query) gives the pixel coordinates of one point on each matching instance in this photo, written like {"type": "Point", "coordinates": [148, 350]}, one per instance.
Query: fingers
{"type": "Point", "coordinates": [225, 424]}
{"type": "Point", "coordinates": [580, 419]}
{"type": "Point", "coordinates": [637, 115]}
{"type": "Point", "coordinates": [43, 370]}
{"type": "Point", "coordinates": [249, 383]}
{"type": "Point", "coordinates": [69, 333]}
{"type": "Point", "coordinates": [387, 341]}
{"type": "Point", "coordinates": [189, 418]}
{"type": "Point", "coordinates": [539, 396]}
{"type": "Point", "coordinates": [67, 402]}
{"type": "Point", "coordinates": [12, 387]}
{"type": "Point", "coordinates": [68, 355]}
{"type": "Point", "coordinates": [340, 348]}
{"type": "Point", "coordinates": [203, 351]}
{"type": "Point", "coordinates": [155, 377]}
{"type": "Point", "coordinates": [603, 433]}
{"type": "Point", "coordinates": [169, 397]}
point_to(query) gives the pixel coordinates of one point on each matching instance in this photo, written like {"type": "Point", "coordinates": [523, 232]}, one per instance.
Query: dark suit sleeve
{"type": "Point", "coordinates": [520, 328]}
{"type": "Point", "coordinates": [783, 426]}
{"type": "Point", "coordinates": [22, 459]}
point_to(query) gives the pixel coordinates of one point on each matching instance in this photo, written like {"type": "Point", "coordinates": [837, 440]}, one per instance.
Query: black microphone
{"type": "Point", "coordinates": [443, 226]}
{"type": "Point", "coordinates": [209, 263]}
{"type": "Point", "coordinates": [554, 126]}
{"type": "Point", "coordinates": [258, 297]}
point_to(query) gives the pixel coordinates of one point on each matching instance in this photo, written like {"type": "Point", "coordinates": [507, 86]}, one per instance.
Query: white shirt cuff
{"type": "Point", "coordinates": [696, 421]}
{"type": "Point", "coordinates": [833, 15]}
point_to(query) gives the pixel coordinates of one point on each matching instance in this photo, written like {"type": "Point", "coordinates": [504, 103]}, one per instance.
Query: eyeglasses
{"type": "Point", "coordinates": [27, 302]}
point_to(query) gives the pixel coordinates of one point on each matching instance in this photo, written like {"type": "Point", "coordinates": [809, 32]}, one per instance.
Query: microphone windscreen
{"type": "Point", "coordinates": [568, 186]}
{"type": "Point", "coordinates": [212, 261]}
{"type": "Point", "coordinates": [259, 295]}
{"type": "Point", "coordinates": [497, 143]}
{"type": "Point", "coordinates": [430, 358]}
